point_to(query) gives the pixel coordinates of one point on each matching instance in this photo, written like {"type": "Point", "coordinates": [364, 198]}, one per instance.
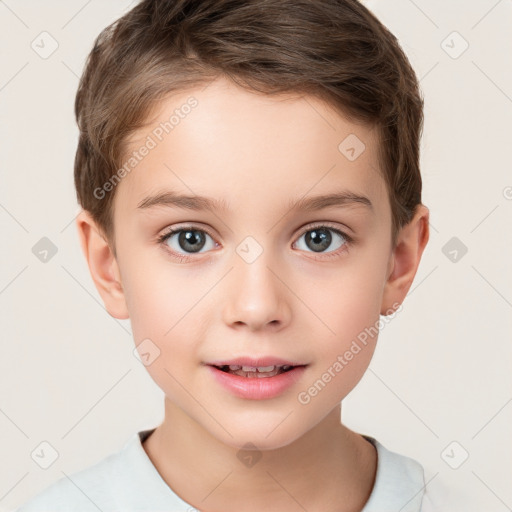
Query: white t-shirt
{"type": "Point", "coordinates": [127, 481]}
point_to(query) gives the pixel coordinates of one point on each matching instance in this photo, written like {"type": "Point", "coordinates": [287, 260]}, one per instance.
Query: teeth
{"type": "Point", "coordinates": [235, 367]}
{"type": "Point", "coordinates": [265, 368]}
{"type": "Point", "coordinates": [255, 368]}
{"type": "Point", "coordinates": [255, 371]}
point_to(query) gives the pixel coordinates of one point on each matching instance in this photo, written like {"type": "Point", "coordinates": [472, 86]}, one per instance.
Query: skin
{"type": "Point", "coordinates": [256, 152]}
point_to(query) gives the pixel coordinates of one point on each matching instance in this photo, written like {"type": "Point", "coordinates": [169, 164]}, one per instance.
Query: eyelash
{"type": "Point", "coordinates": [162, 239]}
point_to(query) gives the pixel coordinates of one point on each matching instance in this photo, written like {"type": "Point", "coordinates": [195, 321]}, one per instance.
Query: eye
{"type": "Point", "coordinates": [319, 238]}
{"type": "Point", "coordinates": [189, 239]}
{"type": "Point", "coordinates": [192, 239]}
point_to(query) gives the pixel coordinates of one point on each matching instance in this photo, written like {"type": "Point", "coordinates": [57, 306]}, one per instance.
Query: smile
{"type": "Point", "coordinates": [255, 372]}
{"type": "Point", "coordinates": [256, 383]}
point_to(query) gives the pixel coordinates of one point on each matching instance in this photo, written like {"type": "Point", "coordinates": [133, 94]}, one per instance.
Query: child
{"type": "Point", "coordinates": [281, 138]}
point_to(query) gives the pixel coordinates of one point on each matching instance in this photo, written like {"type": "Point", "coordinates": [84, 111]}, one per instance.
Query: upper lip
{"type": "Point", "coordinates": [255, 362]}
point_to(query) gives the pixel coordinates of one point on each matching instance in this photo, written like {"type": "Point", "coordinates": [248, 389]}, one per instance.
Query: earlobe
{"type": "Point", "coordinates": [103, 265]}
{"type": "Point", "coordinates": [405, 259]}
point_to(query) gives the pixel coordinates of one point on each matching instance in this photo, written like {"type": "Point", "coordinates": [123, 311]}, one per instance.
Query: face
{"type": "Point", "coordinates": [259, 274]}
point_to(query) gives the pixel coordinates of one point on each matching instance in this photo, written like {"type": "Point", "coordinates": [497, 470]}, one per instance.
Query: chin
{"type": "Point", "coordinates": [260, 435]}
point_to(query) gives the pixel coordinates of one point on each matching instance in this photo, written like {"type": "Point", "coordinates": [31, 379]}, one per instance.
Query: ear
{"type": "Point", "coordinates": [102, 265]}
{"type": "Point", "coordinates": [405, 259]}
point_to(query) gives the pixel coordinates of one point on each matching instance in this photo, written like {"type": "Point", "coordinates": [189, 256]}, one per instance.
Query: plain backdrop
{"type": "Point", "coordinates": [439, 386]}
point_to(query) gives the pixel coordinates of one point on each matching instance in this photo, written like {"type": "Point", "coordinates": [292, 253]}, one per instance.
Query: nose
{"type": "Point", "coordinates": [256, 296]}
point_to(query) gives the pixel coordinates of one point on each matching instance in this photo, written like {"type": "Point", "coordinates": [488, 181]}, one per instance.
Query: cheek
{"type": "Point", "coordinates": [163, 314]}
{"type": "Point", "coordinates": [346, 301]}
{"type": "Point", "coordinates": [341, 360]}
{"type": "Point", "coordinates": [161, 298]}
{"type": "Point", "coordinates": [347, 306]}
{"type": "Point", "coordinates": [166, 307]}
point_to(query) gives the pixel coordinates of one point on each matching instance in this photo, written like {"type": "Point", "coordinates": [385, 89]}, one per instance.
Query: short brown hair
{"type": "Point", "coordinates": [336, 50]}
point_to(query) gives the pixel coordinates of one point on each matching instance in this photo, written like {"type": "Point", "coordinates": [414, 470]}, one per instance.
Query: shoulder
{"type": "Point", "coordinates": [443, 492]}
{"type": "Point", "coordinates": [87, 490]}
{"type": "Point", "coordinates": [402, 483]}
{"type": "Point", "coordinates": [427, 504]}
{"type": "Point", "coordinates": [399, 482]}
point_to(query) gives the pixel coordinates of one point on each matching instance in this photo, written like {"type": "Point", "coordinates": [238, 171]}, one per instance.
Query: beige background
{"type": "Point", "coordinates": [441, 372]}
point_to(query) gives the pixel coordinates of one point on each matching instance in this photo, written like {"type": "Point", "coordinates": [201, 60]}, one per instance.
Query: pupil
{"type": "Point", "coordinates": [193, 239]}
{"type": "Point", "coordinates": [320, 238]}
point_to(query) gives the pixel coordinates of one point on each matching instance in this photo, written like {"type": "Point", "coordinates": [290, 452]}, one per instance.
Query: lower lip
{"type": "Point", "coordinates": [256, 388]}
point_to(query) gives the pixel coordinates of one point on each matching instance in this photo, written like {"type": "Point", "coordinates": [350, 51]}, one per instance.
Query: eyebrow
{"type": "Point", "coordinates": [175, 200]}
{"type": "Point", "coordinates": [311, 203]}
{"type": "Point", "coordinates": [339, 199]}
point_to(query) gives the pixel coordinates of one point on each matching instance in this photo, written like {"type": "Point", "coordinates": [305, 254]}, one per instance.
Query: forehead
{"type": "Point", "coordinates": [241, 147]}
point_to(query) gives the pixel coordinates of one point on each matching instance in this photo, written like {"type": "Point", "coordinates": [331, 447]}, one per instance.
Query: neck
{"type": "Point", "coordinates": [211, 475]}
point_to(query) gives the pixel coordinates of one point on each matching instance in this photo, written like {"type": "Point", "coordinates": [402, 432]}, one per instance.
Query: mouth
{"type": "Point", "coordinates": [256, 372]}
{"type": "Point", "coordinates": [257, 378]}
